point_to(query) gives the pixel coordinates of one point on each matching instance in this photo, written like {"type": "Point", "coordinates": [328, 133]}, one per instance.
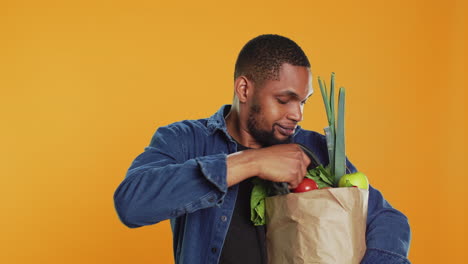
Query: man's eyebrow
{"type": "Point", "coordinates": [289, 93]}
{"type": "Point", "coordinates": [292, 94]}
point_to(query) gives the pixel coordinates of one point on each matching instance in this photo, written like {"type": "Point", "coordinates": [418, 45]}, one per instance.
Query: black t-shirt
{"type": "Point", "coordinates": [245, 242]}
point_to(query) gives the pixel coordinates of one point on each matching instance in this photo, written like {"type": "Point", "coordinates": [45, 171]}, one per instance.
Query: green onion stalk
{"type": "Point", "coordinates": [334, 133]}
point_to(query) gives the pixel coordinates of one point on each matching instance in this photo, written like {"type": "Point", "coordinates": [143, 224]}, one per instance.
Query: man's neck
{"type": "Point", "coordinates": [236, 130]}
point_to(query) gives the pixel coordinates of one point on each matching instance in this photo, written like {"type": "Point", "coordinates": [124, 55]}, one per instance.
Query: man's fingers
{"type": "Point", "coordinates": [303, 172]}
{"type": "Point", "coordinates": [306, 159]}
{"type": "Point", "coordinates": [304, 164]}
{"type": "Point", "coordinates": [275, 159]}
{"type": "Point", "coordinates": [293, 184]}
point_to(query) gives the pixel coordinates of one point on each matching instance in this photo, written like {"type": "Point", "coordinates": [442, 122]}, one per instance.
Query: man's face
{"type": "Point", "coordinates": [277, 106]}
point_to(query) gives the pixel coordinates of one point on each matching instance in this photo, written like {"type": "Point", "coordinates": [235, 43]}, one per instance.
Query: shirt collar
{"type": "Point", "coordinates": [217, 120]}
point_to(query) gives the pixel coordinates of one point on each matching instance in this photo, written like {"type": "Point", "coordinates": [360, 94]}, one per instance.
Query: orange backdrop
{"type": "Point", "coordinates": [84, 85]}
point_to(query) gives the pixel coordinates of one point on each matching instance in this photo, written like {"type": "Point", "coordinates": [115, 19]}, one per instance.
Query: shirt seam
{"type": "Point", "coordinates": [388, 252]}
{"type": "Point", "coordinates": [190, 205]}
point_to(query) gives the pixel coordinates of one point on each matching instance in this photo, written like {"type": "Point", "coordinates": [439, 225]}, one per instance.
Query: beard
{"type": "Point", "coordinates": [265, 138]}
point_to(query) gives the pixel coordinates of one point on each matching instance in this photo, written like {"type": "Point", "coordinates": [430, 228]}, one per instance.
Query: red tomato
{"type": "Point", "coordinates": [305, 186]}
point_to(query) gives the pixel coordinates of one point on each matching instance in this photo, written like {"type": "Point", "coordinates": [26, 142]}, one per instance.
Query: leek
{"type": "Point", "coordinates": [334, 133]}
{"type": "Point", "coordinates": [340, 157]}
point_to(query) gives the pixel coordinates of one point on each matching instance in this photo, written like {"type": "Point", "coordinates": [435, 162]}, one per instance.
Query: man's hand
{"type": "Point", "coordinates": [282, 163]}
{"type": "Point", "coordinates": [279, 163]}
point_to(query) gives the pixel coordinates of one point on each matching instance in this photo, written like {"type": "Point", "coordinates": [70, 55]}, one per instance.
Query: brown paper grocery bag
{"type": "Point", "coordinates": [320, 226]}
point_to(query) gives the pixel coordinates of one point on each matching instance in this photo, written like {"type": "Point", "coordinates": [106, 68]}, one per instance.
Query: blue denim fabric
{"type": "Point", "coordinates": [181, 176]}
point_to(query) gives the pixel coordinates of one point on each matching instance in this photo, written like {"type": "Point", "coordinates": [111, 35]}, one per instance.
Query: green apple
{"type": "Point", "coordinates": [357, 179]}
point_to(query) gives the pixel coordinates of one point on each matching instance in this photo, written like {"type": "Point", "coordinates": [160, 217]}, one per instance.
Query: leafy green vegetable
{"type": "Point", "coordinates": [321, 176]}
{"type": "Point", "coordinates": [257, 202]}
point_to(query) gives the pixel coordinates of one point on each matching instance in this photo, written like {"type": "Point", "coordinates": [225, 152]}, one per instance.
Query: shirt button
{"type": "Point", "coordinates": [211, 199]}
{"type": "Point", "coordinates": [214, 250]}
{"type": "Point", "coordinates": [223, 218]}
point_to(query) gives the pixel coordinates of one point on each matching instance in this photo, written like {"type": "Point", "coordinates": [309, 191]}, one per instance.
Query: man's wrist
{"type": "Point", "coordinates": [240, 166]}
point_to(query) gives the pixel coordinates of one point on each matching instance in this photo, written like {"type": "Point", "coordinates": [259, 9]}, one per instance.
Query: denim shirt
{"type": "Point", "coordinates": [181, 176]}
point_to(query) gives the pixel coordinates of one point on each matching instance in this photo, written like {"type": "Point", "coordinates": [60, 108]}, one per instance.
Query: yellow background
{"type": "Point", "coordinates": [85, 84]}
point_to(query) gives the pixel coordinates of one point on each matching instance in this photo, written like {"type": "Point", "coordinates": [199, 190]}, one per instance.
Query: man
{"type": "Point", "coordinates": [197, 173]}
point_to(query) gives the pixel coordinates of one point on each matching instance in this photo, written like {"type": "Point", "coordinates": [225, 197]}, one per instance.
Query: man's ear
{"type": "Point", "coordinates": [243, 88]}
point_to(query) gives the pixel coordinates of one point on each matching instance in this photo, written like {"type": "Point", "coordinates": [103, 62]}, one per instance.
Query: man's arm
{"type": "Point", "coordinates": [164, 183]}
{"type": "Point", "coordinates": [279, 163]}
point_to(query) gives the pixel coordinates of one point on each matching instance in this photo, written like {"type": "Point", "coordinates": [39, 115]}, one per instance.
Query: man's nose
{"type": "Point", "coordinates": [295, 113]}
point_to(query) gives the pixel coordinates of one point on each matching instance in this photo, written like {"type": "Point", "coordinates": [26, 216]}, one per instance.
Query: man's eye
{"type": "Point", "coordinates": [303, 102]}
{"type": "Point", "coordinates": [281, 101]}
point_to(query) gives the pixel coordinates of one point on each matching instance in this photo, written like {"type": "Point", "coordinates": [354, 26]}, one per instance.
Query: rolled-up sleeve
{"type": "Point", "coordinates": [163, 183]}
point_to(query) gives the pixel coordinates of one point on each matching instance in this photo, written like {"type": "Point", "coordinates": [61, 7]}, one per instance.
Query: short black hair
{"type": "Point", "coordinates": [261, 58]}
